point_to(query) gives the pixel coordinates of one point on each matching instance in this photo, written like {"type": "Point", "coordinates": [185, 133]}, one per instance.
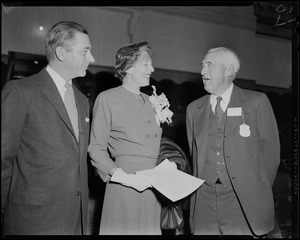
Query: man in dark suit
{"type": "Point", "coordinates": [44, 187]}
{"type": "Point", "coordinates": [234, 143]}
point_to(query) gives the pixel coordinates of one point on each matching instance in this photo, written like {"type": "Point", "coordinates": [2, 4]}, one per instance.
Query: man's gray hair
{"type": "Point", "coordinates": [228, 56]}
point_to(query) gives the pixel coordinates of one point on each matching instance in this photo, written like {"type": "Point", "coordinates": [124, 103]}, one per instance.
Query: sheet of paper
{"type": "Point", "coordinates": [171, 182]}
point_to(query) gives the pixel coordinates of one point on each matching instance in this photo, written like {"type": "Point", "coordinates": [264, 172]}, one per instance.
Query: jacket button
{"type": "Point", "coordinates": [147, 136]}
{"type": "Point", "coordinates": [78, 193]}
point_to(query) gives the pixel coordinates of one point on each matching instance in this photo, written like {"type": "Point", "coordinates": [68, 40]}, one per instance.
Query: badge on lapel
{"type": "Point", "coordinates": [233, 112]}
{"type": "Point", "coordinates": [244, 128]}
{"type": "Point", "coordinates": [87, 119]}
{"type": "Point", "coordinates": [236, 112]}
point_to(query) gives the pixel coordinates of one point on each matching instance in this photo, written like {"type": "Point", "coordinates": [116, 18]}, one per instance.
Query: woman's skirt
{"type": "Point", "coordinates": [129, 212]}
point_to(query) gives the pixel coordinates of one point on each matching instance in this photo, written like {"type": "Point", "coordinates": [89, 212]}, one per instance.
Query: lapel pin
{"type": "Point", "coordinates": [244, 128]}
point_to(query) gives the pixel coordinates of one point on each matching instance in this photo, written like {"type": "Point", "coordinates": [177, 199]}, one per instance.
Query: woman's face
{"type": "Point", "coordinates": [141, 70]}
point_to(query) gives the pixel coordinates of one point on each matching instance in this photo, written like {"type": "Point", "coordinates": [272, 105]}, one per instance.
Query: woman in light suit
{"type": "Point", "coordinates": [125, 138]}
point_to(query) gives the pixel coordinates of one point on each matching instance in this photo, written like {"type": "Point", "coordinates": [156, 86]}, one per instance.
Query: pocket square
{"type": "Point", "coordinates": [87, 119]}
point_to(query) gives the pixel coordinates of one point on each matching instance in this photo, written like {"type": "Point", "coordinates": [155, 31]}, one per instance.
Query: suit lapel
{"type": "Point", "coordinates": [201, 126]}
{"type": "Point", "coordinates": [237, 97]}
{"type": "Point", "coordinates": [202, 122]}
{"type": "Point", "coordinates": [51, 92]}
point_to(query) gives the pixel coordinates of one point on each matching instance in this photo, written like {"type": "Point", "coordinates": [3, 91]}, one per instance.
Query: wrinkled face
{"type": "Point", "coordinates": [214, 74]}
{"type": "Point", "coordinates": [78, 56]}
{"type": "Point", "coordinates": [141, 70]}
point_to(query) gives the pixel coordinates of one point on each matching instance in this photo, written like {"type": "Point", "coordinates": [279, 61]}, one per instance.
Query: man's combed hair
{"type": "Point", "coordinates": [60, 35]}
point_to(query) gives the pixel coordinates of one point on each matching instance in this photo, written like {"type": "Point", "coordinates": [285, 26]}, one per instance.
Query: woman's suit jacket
{"type": "Point", "coordinates": [43, 167]}
{"type": "Point", "coordinates": [252, 162]}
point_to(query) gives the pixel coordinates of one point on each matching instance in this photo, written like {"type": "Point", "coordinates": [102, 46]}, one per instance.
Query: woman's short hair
{"type": "Point", "coordinates": [126, 57]}
{"type": "Point", "coordinates": [228, 56]}
{"type": "Point", "coordinates": [60, 35]}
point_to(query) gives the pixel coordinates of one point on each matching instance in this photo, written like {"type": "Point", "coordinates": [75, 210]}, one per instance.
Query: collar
{"type": "Point", "coordinates": [225, 99]}
{"type": "Point", "coordinates": [58, 80]}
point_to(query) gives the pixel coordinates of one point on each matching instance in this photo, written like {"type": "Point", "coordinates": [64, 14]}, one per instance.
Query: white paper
{"type": "Point", "coordinates": [171, 182]}
{"type": "Point", "coordinates": [237, 111]}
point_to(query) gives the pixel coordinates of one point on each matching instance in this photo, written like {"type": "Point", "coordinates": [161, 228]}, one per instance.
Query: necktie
{"type": "Point", "coordinates": [218, 110]}
{"type": "Point", "coordinates": [70, 104]}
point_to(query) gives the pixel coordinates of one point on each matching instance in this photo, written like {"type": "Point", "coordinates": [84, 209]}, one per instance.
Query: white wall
{"type": "Point", "coordinates": [179, 43]}
{"type": "Point", "coordinates": [108, 30]}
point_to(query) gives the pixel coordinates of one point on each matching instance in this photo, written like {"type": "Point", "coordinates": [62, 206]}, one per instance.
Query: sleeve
{"type": "Point", "coordinates": [13, 112]}
{"type": "Point", "coordinates": [99, 136]}
{"type": "Point", "coordinates": [268, 137]}
{"type": "Point", "coordinates": [189, 130]}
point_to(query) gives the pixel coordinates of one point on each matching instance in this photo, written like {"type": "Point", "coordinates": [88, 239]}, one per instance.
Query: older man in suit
{"type": "Point", "coordinates": [234, 142]}
{"type": "Point", "coordinates": [44, 187]}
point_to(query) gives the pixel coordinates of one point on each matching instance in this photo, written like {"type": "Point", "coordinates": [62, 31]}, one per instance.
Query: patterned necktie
{"type": "Point", "coordinates": [218, 110]}
{"type": "Point", "coordinates": [70, 104]}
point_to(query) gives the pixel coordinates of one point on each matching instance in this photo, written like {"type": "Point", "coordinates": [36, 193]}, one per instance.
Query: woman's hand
{"type": "Point", "coordinates": [136, 181]}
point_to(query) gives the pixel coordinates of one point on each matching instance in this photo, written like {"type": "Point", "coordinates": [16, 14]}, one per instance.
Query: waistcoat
{"type": "Point", "coordinates": [215, 165]}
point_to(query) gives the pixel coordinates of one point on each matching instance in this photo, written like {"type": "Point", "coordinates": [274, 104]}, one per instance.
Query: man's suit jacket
{"type": "Point", "coordinates": [44, 183]}
{"type": "Point", "coordinates": [252, 162]}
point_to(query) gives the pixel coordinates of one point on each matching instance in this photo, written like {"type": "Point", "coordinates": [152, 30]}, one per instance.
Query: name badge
{"type": "Point", "coordinates": [87, 119]}
{"type": "Point", "coordinates": [237, 111]}
{"type": "Point", "coordinates": [245, 130]}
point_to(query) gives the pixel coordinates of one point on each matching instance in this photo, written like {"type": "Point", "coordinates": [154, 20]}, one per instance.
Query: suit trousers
{"type": "Point", "coordinates": [219, 212]}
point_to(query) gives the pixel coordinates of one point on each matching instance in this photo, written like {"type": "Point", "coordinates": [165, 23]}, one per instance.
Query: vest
{"type": "Point", "coordinates": [215, 165]}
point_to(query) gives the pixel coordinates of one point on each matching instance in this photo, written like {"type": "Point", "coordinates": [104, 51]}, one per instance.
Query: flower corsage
{"type": "Point", "coordinates": [161, 107]}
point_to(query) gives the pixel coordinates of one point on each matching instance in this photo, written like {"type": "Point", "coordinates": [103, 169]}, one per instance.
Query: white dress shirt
{"type": "Point", "coordinates": [225, 99]}
{"type": "Point", "coordinates": [58, 80]}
